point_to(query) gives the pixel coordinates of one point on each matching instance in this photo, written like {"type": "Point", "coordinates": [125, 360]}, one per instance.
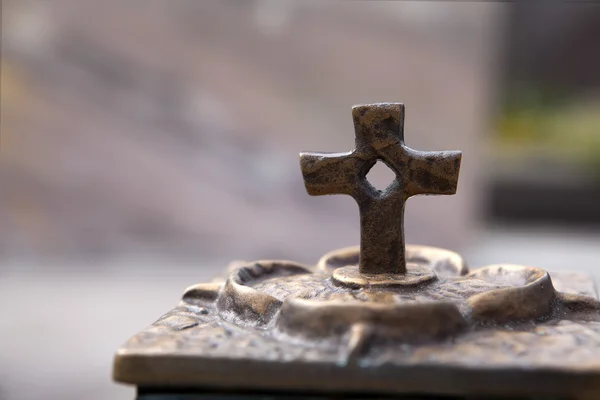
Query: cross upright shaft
{"type": "Point", "coordinates": [379, 135]}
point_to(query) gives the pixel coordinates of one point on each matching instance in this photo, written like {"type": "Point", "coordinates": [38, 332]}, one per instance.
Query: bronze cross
{"type": "Point", "coordinates": [379, 135]}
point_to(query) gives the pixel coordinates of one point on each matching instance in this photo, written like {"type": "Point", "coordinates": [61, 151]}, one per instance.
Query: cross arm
{"type": "Point", "coordinates": [432, 172]}
{"type": "Point", "coordinates": [330, 173]}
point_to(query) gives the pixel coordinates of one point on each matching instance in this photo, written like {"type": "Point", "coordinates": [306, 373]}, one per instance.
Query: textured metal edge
{"type": "Point", "coordinates": [169, 371]}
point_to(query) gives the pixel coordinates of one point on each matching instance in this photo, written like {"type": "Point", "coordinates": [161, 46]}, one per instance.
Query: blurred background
{"type": "Point", "coordinates": [147, 143]}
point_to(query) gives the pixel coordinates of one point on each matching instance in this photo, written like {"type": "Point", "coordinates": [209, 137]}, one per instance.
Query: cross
{"type": "Point", "coordinates": [379, 135]}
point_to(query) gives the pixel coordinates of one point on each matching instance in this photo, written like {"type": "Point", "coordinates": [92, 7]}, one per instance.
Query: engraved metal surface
{"type": "Point", "coordinates": [275, 325]}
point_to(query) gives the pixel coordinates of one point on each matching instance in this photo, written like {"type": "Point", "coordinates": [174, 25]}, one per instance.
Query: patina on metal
{"type": "Point", "coordinates": [379, 135]}
{"type": "Point", "coordinates": [437, 328]}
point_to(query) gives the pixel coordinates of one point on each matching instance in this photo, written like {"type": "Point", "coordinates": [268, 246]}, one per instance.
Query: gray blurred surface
{"type": "Point", "coordinates": [174, 127]}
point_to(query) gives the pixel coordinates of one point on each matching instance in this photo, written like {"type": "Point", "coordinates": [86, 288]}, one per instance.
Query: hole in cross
{"type": "Point", "coordinates": [380, 176]}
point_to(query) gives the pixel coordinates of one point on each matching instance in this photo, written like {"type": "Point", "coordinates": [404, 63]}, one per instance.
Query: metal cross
{"type": "Point", "coordinates": [379, 135]}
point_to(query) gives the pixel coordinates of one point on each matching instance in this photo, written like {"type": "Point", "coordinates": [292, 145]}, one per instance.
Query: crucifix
{"type": "Point", "coordinates": [379, 135]}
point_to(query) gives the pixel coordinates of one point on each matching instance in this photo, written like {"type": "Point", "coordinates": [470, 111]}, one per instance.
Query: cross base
{"type": "Point", "coordinates": [351, 277]}
{"type": "Point", "coordinates": [495, 331]}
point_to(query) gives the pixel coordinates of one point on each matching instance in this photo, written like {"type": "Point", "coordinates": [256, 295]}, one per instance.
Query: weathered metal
{"type": "Point", "coordinates": [379, 135]}
{"type": "Point", "coordinates": [436, 328]}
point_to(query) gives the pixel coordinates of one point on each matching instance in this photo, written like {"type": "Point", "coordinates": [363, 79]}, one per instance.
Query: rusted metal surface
{"type": "Point", "coordinates": [379, 131]}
